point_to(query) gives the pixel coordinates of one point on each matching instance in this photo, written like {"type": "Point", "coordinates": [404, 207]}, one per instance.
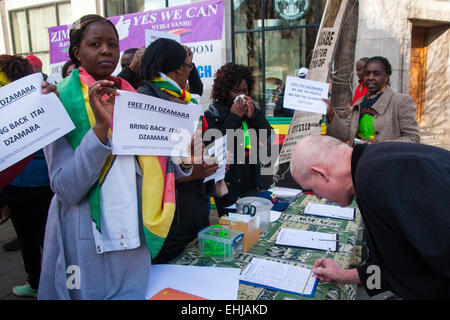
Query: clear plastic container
{"type": "Point", "coordinates": [219, 241]}
{"type": "Point", "coordinates": [262, 213]}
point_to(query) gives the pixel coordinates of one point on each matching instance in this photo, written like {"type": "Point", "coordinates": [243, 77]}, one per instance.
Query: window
{"type": "Point", "coordinates": [29, 29]}
{"type": "Point", "coordinates": [274, 38]}
{"type": "Point", "coordinates": [119, 7]}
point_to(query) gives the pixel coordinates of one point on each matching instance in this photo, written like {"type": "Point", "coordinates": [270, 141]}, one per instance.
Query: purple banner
{"type": "Point", "coordinates": [200, 21]}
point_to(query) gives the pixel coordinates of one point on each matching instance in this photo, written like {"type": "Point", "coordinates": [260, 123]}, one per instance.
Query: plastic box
{"type": "Point", "coordinates": [247, 227]}
{"type": "Point", "coordinates": [219, 241]}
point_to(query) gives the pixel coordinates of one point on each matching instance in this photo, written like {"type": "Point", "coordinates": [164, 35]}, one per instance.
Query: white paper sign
{"type": "Point", "coordinates": [152, 35]}
{"type": "Point", "coordinates": [280, 276]}
{"type": "Point", "coordinates": [305, 95]}
{"type": "Point", "coordinates": [325, 210]}
{"type": "Point", "coordinates": [213, 283]}
{"type": "Point", "coordinates": [145, 125]}
{"type": "Point", "coordinates": [29, 120]}
{"type": "Point", "coordinates": [220, 152]}
{"type": "Point", "coordinates": [306, 239]}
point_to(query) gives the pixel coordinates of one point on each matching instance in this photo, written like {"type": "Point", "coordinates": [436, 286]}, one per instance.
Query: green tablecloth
{"type": "Point", "coordinates": [347, 255]}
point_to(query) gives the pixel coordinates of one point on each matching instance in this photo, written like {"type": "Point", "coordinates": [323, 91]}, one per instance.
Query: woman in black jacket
{"type": "Point", "coordinates": [166, 67]}
{"type": "Point", "coordinates": [229, 113]}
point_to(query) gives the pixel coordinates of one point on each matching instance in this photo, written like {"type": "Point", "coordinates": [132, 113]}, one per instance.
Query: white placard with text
{"type": "Point", "coordinates": [29, 120]}
{"type": "Point", "coordinates": [305, 95]}
{"type": "Point", "coordinates": [145, 125]}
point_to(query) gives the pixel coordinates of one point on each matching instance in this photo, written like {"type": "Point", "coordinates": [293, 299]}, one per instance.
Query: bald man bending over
{"type": "Point", "coordinates": [403, 193]}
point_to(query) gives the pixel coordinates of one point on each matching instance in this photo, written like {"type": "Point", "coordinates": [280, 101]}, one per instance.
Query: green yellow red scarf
{"type": "Point", "coordinates": [171, 87]}
{"type": "Point", "coordinates": [3, 79]}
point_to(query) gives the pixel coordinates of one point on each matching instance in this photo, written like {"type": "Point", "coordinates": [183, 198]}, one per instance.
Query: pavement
{"type": "Point", "coordinates": [12, 272]}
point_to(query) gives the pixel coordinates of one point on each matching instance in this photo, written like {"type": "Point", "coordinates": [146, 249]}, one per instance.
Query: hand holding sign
{"type": "Point", "coordinates": [102, 107]}
{"type": "Point", "coordinates": [30, 118]}
{"type": "Point", "coordinates": [330, 110]}
{"type": "Point", "coordinates": [49, 88]}
{"type": "Point", "coordinates": [201, 171]}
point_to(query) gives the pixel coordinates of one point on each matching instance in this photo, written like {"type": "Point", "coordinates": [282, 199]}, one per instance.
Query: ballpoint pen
{"type": "Point", "coordinates": [310, 273]}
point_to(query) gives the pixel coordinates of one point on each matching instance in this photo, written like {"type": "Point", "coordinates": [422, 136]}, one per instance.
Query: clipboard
{"type": "Point", "coordinates": [267, 274]}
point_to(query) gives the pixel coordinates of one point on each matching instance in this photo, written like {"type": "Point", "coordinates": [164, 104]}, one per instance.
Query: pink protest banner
{"type": "Point", "coordinates": [196, 22]}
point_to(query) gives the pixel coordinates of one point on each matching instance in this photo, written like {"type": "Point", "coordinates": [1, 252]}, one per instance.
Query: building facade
{"type": "Point", "coordinates": [276, 37]}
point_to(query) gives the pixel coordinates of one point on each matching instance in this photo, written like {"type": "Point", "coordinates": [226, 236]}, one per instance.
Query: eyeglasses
{"type": "Point", "coordinates": [190, 66]}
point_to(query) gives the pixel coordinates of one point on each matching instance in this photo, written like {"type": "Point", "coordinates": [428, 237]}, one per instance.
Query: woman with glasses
{"type": "Point", "coordinates": [166, 67]}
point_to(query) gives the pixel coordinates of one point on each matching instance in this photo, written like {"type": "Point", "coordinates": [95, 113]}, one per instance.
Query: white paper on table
{"type": "Point", "coordinates": [240, 217]}
{"type": "Point", "coordinates": [214, 283]}
{"type": "Point", "coordinates": [145, 125]}
{"type": "Point", "coordinates": [29, 120]}
{"type": "Point", "coordinates": [282, 192]}
{"type": "Point", "coordinates": [307, 239]}
{"type": "Point", "coordinates": [274, 215]}
{"type": "Point", "coordinates": [325, 210]}
{"type": "Point", "coordinates": [219, 150]}
{"type": "Point", "coordinates": [280, 276]}
{"type": "Point", "coordinates": [305, 95]}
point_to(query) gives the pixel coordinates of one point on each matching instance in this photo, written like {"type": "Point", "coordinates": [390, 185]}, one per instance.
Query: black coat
{"type": "Point", "coordinates": [191, 208]}
{"type": "Point", "coordinates": [243, 179]}
{"type": "Point", "coordinates": [403, 192]}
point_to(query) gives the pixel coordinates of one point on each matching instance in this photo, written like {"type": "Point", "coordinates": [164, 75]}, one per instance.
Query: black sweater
{"type": "Point", "coordinates": [403, 192]}
{"type": "Point", "coordinates": [243, 179]}
{"type": "Point", "coordinates": [191, 213]}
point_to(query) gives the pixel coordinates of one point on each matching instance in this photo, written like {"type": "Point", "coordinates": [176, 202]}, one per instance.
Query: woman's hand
{"type": "Point", "coordinates": [49, 88]}
{"type": "Point", "coordinates": [103, 107]}
{"type": "Point", "coordinates": [205, 169]}
{"type": "Point", "coordinates": [136, 63]}
{"type": "Point", "coordinates": [239, 108]}
{"type": "Point", "coordinates": [330, 110]}
{"type": "Point", "coordinates": [202, 170]}
{"type": "Point", "coordinates": [250, 107]}
{"type": "Point", "coordinates": [189, 53]}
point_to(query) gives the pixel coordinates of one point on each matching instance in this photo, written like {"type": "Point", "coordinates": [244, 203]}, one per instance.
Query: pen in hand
{"type": "Point", "coordinates": [311, 272]}
{"type": "Point", "coordinates": [323, 258]}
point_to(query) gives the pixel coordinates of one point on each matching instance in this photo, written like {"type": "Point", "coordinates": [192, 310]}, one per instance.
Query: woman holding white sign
{"type": "Point", "coordinates": [165, 68]}
{"type": "Point", "coordinates": [27, 189]}
{"type": "Point", "coordinates": [110, 214]}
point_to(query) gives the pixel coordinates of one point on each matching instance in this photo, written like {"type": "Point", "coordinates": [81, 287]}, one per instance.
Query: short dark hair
{"type": "Point", "coordinates": [364, 59]}
{"type": "Point", "coordinates": [131, 50]}
{"type": "Point", "coordinates": [384, 62]}
{"type": "Point", "coordinates": [162, 55]}
{"type": "Point", "coordinates": [229, 76]}
{"type": "Point", "coordinates": [78, 28]}
{"type": "Point", "coordinates": [65, 67]}
{"type": "Point", "coordinates": [15, 66]}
